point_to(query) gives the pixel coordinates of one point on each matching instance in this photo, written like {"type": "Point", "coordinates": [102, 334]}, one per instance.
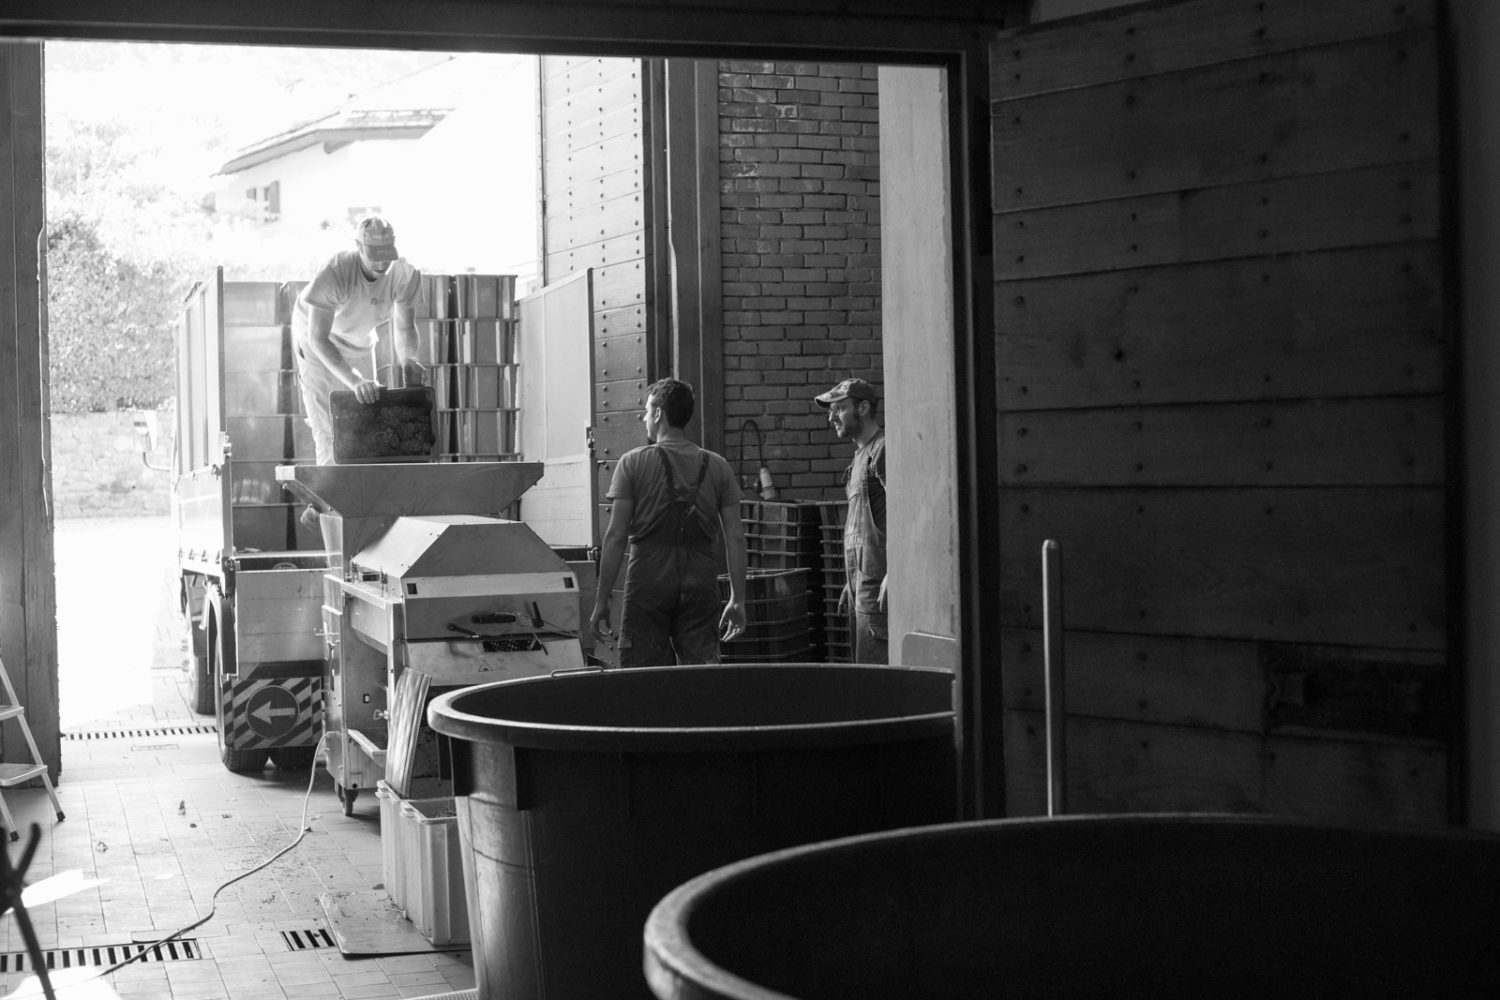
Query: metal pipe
{"type": "Point", "coordinates": [1054, 665]}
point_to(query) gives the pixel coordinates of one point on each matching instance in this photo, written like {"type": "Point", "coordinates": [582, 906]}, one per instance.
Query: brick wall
{"type": "Point", "coordinates": [799, 170]}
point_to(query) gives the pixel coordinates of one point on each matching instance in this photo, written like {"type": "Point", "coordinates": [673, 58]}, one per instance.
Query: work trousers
{"type": "Point", "coordinates": [671, 608]}
{"type": "Point", "coordinates": [316, 382]}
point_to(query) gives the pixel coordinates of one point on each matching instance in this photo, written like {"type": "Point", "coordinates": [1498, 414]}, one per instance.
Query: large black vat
{"type": "Point", "coordinates": [588, 796]}
{"type": "Point", "coordinates": [1139, 906]}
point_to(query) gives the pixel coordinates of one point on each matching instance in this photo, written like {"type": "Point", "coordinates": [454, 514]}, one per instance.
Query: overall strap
{"type": "Point", "coordinates": [666, 466]}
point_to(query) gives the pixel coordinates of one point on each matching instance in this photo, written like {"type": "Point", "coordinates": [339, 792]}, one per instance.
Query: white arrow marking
{"type": "Point", "coordinates": [265, 713]}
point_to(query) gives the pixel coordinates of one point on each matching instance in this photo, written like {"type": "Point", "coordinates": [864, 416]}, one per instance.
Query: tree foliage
{"type": "Point", "coordinates": [110, 323]}
{"type": "Point", "coordinates": [135, 133]}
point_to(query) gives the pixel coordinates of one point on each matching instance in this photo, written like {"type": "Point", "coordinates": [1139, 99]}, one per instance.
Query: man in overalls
{"type": "Point", "coordinates": [672, 502]}
{"type": "Point", "coordinates": [851, 407]}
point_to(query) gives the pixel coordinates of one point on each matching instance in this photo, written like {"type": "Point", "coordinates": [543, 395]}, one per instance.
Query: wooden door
{"type": "Point", "coordinates": [1221, 297]}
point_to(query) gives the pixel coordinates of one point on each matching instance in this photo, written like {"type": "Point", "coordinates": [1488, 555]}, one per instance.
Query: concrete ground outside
{"type": "Point", "coordinates": [121, 641]}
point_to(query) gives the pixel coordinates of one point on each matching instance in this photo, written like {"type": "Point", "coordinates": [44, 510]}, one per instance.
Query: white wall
{"type": "Point", "coordinates": [917, 323]}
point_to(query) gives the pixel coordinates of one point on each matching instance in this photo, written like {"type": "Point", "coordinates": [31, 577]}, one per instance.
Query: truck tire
{"type": "Point", "coordinates": [201, 689]}
{"type": "Point", "coordinates": [243, 761]}
{"type": "Point", "coordinates": [219, 626]}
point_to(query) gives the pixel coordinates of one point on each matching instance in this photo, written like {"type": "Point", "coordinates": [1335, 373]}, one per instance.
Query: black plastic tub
{"type": "Point", "coordinates": [588, 796]}
{"type": "Point", "coordinates": [1141, 906]}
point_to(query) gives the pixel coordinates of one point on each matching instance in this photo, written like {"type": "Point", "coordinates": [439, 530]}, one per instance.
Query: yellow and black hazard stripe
{"type": "Point", "coordinates": [272, 712]}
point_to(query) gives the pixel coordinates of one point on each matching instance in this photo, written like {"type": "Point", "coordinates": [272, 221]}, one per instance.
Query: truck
{"type": "Point", "coordinates": [256, 582]}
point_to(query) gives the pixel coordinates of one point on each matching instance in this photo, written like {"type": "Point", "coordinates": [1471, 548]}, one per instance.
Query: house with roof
{"type": "Point", "coordinates": [448, 153]}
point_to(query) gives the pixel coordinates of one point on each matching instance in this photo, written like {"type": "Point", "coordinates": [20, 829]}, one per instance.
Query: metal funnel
{"type": "Point", "coordinates": [397, 489]}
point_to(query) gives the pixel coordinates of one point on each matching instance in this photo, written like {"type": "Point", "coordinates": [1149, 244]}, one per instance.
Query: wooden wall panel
{"type": "Point", "coordinates": [565, 194]}
{"type": "Point", "coordinates": [615, 250]}
{"type": "Point", "coordinates": [1238, 686]}
{"type": "Point", "coordinates": [1351, 208]}
{"type": "Point", "coordinates": [597, 203]}
{"type": "Point", "coordinates": [1302, 325]}
{"type": "Point", "coordinates": [577, 127]}
{"type": "Point", "coordinates": [591, 224]}
{"type": "Point", "coordinates": [1130, 767]}
{"type": "Point", "coordinates": [1359, 567]}
{"type": "Point", "coordinates": [1342, 107]}
{"type": "Point", "coordinates": [28, 592]}
{"type": "Point", "coordinates": [621, 357]}
{"type": "Point", "coordinates": [1320, 442]}
{"type": "Point", "coordinates": [611, 155]}
{"type": "Point", "coordinates": [1171, 37]}
{"type": "Point", "coordinates": [1223, 358]}
{"type": "Point", "coordinates": [628, 321]}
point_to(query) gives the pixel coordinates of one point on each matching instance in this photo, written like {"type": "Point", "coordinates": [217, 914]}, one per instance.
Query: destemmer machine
{"type": "Point", "coordinates": [423, 577]}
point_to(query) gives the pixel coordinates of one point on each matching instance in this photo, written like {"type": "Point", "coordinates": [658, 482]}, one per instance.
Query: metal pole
{"type": "Point", "coordinates": [1052, 655]}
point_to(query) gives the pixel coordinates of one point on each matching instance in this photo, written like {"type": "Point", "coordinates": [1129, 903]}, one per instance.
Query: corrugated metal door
{"type": "Point", "coordinates": [1220, 310]}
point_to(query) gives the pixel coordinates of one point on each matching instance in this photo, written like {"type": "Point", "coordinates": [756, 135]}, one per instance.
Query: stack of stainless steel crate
{"type": "Point", "coordinates": [781, 549]}
{"type": "Point", "coordinates": [262, 415]}
{"type": "Point", "coordinates": [838, 643]}
{"type": "Point", "coordinates": [467, 330]}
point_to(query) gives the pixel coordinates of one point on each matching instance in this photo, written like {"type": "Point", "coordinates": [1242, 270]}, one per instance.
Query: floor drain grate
{"type": "Point", "coordinates": [136, 734]}
{"type": "Point", "coordinates": [308, 940]}
{"type": "Point", "coordinates": [102, 956]}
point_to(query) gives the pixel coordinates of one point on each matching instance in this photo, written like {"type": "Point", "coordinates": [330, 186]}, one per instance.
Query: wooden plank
{"type": "Point", "coordinates": [596, 223]}
{"type": "Point", "coordinates": [1116, 766]}
{"type": "Point", "coordinates": [566, 191]}
{"type": "Point", "coordinates": [572, 127]}
{"type": "Point", "coordinates": [622, 356]}
{"type": "Point", "coordinates": [563, 196]}
{"type": "Point", "coordinates": [1389, 441]}
{"type": "Point", "coordinates": [571, 167]}
{"type": "Point", "coordinates": [593, 94]}
{"type": "Point", "coordinates": [28, 593]}
{"type": "Point", "coordinates": [619, 285]}
{"type": "Point", "coordinates": [1165, 38]}
{"type": "Point", "coordinates": [1212, 683]}
{"type": "Point", "coordinates": [1349, 322]}
{"type": "Point", "coordinates": [1248, 687]}
{"type": "Point", "coordinates": [627, 395]}
{"type": "Point", "coordinates": [615, 433]}
{"type": "Point", "coordinates": [1350, 208]}
{"type": "Point", "coordinates": [1359, 567]}
{"type": "Point", "coordinates": [622, 249]}
{"type": "Point", "coordinates": [1337, 108]}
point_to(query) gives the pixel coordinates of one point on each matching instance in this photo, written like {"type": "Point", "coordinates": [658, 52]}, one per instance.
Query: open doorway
{"type": "Point", "coordinates": [165, 162]}
{"type": "Point", "coordinates": [935, 192]}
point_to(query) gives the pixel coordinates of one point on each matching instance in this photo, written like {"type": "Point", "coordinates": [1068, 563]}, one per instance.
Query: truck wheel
{"type": "Point", "coordinates": [200, 677]}
{"type": "Point", "coordinates": [292, 758]}
{"type": "Point", "coordinates": [243, 761]}
{"type": "Point", "coordinates": [201, 686]}
{"type": "Point", "coordinates": [219, 622]}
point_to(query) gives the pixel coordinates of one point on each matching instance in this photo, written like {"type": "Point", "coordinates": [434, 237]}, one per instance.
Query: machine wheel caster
{"type": "Point", "coordinates": [347, 797]}
{"type": "Point", "coordinates": [292, 758]}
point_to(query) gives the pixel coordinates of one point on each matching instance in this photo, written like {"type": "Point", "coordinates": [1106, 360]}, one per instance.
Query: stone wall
{"type": "Point", "coordinates": [97, 469]}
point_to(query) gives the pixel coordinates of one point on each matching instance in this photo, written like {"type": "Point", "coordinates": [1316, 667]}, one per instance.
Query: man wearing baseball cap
{"type": "Point", "coordinates": [336, 319]}
{"type": "Point", "coordinates": [852, 406]}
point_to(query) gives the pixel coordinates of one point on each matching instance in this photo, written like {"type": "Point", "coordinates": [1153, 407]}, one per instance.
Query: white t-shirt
{"type": "Point", "coordinates": [358, 304]}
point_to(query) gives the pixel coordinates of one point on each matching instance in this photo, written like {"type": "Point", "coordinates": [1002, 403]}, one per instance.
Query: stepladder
{"type": "Point", "coordinates": [16, 773]}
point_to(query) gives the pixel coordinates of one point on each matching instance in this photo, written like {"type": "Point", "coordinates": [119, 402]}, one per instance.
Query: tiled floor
{"type": "Point", "coordinates": [155, 825]}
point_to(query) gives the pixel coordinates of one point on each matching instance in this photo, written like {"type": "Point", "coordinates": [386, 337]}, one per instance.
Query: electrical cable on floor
{"type": "Point", "coordinates": [213, 903]}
